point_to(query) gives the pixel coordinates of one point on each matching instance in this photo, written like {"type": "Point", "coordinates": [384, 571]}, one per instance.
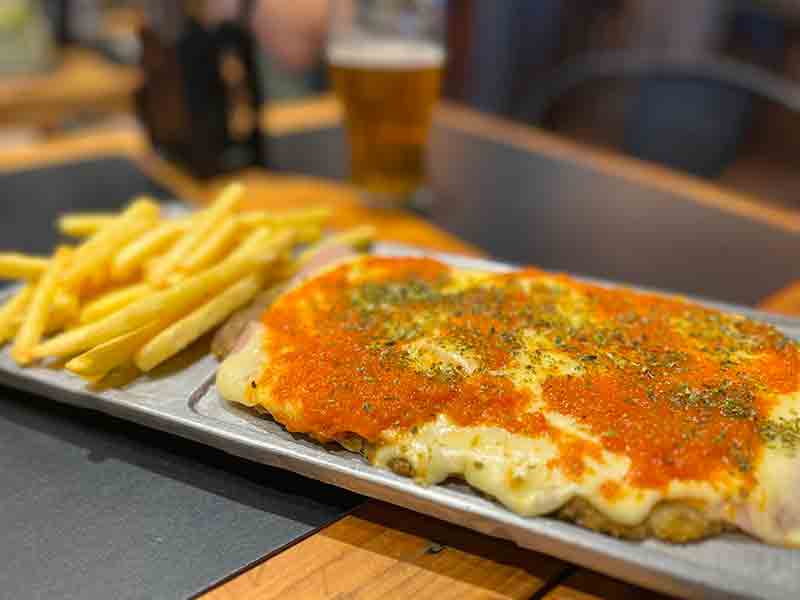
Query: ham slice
{"type": "Point", "coordinates": [233, 334]}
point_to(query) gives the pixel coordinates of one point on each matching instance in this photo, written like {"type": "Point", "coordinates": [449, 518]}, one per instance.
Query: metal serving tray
{"type": "Point", "coordinates": [181, 399]}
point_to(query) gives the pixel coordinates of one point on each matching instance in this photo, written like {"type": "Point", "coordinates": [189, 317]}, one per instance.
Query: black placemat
{"type": "Point", "coordinates": [95, 507]}
{"type": "Point", "coordinates": [31, 200]}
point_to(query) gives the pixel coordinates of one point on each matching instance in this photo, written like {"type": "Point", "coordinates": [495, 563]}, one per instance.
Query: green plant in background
{"type": "Point", "coordinates": [25, 39]}
{"type": "Point", "coordinates": [14, 15]}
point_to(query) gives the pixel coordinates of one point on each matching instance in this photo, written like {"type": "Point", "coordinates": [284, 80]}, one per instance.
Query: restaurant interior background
{"type": "Point", "coordinates": [649, 142]}
{"type": "Point", "coordinates": [706, 86]}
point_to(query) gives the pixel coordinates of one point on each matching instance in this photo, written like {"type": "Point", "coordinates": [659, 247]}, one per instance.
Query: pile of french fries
{"type": "Point", "coordinates": [139, 287]}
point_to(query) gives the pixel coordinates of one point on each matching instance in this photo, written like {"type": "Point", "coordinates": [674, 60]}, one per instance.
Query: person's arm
{"type": "Point", "coordinates": [292, 30]}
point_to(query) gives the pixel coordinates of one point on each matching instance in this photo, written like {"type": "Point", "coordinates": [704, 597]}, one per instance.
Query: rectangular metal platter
{"type": "Point", "coordinates": [181, 398]}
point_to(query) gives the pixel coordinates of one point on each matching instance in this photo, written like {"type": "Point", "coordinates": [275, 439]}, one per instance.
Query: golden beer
{"type": "Point", "coordinates": [388, 90]}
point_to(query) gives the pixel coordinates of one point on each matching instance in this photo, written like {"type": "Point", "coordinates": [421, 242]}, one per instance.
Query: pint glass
{"type": "Point", "coordinates": [386, 59]}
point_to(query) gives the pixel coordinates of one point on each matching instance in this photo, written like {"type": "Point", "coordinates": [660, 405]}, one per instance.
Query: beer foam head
{"type": "Point", "coordinates": [385, 54]}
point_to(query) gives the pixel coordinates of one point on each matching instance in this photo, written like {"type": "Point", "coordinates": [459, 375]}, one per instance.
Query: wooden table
{"type": "Point", "coordinates": [81, 82]}
{"type": "Point", "coordinates": [382, 551]}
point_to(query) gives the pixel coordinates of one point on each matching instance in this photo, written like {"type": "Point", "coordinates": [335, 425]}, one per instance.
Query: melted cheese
{"type": "Point", "coordinates": [527, 472]}
{"type": "Point", "coordinates": [514, 469]}
{"type": "Point", "coordinates": [237, 374]}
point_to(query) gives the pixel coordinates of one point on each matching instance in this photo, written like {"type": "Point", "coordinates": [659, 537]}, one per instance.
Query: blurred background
{"type": "Point", "coordinates": [708, 87]}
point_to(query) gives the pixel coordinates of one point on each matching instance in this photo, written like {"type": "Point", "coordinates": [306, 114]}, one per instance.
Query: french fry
{"type": "Point", "coordinates": [119, 377]}
{"type": "Point", "coordinates": [84, 224]}
{"type": "Point", "coordinates": [61, 317]}
{"type": "Point", "coordinates": [171, 280]}
{"type": "Point", "coordinates": [359, 238]}
{"type": "Point", "coordinates": [138, 252]}
{"type": "Point", "coordinates": [102, 359]}
{"type": "Point", "coordinates": [113, 301]}
{"type": "Point", "coordinates": [182, 333]}
{"type": "Point", "coordinates": [96, 281]}
{"type": "Point", "coordinates": [96, 252]}
{"type": "Point", "coordinates": [202, 226]}
{"type": "Point", "coordinates": [305, 234]}
{"type": "Point", "coordinates": [35, 323]}
{"type": "Point", "coordinates": [152, 287]}
{"type": "Point", "coordinates": [259, 250]}
{"type": "Point", "coordinates": [14, 265]}
{"type": "Point", "coordinates": [11, 309]}
{"type": "Point", "coordinates": [64, 310]}
{"type": "Point", "coordinates": [212, 249]}
{"type": "Point", "coordinates": [294, 218]}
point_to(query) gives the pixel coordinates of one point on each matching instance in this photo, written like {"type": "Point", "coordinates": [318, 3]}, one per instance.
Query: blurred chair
{"type": "Point", "coordinates": [688, 114]}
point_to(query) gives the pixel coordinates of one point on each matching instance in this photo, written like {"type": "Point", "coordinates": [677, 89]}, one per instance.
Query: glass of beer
{"type": "Point", "coordinates": [386, 59]}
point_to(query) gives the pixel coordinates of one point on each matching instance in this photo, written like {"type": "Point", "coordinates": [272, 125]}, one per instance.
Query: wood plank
{"type": "Point", "coordinates": [82, 81]}
{"type": "Point", "coordinates": [382, 551]}
{"type": "Point", "coordinates": [88, 143]}
{"type": "Point", "coordinates": [587, 585]}
{"type": "Point", "coordinates": [287, 117]}
{"type": "Point", "coordinates": [785, 301]}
